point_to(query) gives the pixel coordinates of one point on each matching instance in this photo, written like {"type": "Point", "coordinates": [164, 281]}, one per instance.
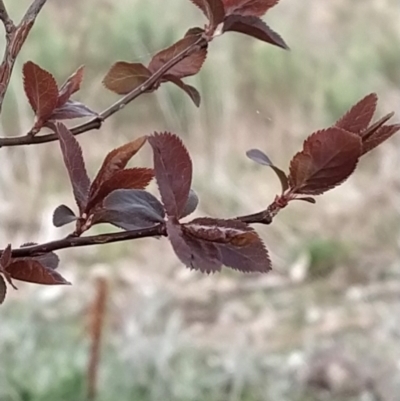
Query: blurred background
{"type": "Point", "coordinates": [324, 325]}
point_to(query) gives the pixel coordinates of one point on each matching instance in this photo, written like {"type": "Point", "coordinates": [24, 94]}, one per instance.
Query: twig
{"type": "Point", "coordinates": [15, 38]}
{"type": "Point", "coordinates": [96, 122]}
{"type": "Point", "coordinates": [72, 242]}
{"type": "Point", "coordinates": [159, 230]}
{"type": "Point", "coordinates": [7, 21]}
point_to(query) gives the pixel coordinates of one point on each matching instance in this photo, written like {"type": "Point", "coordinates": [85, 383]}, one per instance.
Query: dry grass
{"type": "Point", "coordinates": [336, 263]}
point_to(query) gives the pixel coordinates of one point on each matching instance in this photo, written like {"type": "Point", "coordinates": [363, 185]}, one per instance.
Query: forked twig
{"type": "Point", "coordinates": [96, 122]}
{"type": "Point", "coordinates": [15, 38]}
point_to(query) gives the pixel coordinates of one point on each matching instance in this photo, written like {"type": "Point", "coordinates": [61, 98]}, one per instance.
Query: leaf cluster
{"type": "Point", "coordinates": [119, 195]}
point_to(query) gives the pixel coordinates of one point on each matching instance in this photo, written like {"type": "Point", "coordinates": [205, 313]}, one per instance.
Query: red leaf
{"type": "Point", "coordinates": [248, 7]}
{"type": "Point", "coordinates": [70, 110]}
{"type": "Point", "coordinates": [212, 9]}
{"type": "Point", "coordinates": [190, 65]}
{"type": "Point", "coordinates": [205, 244]}
{"type": "Point", "coordinates": [73, 160]}
{"type": "Point", "coordinates": [33, 271]}
{"type": "Point", "coordinates": [3, 290]}
{"type": "Point", "coordinates": [261, 158]}
{"type": "Point", "coordinates": [327, 159]}
{"type": "Point", "coordinates": [70, 86]}
{"type": "Point", "coordinates": [379, 136]}
{"type": "Point", "coordinates": [132, 178]}
{"type": "Point", "coordinates": [195, 254]}
{"type": "Point", "coordinates": [41, 89]}
{"type": "Point", "coordinates": [116, 160]}
{"type": "Point", "coordinates": [255, 27]}
{"type": "Point", "coordinates": [173, 171]}
{"type": "Point", "coordinates": [124, 77]}
{"type": "Point", "coordinates": [190, 90]}
{"type": "Point", "coordinates": [5, 260]}
{"type": "Point", "coordinates": [360, 115]}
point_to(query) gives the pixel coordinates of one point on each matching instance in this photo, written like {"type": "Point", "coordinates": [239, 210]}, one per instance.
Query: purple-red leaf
{"type": "Point", "coordinates": [173, 171]}
{"type": "Point", "coordinates": [3, 290]}
{"type": "Point", "coordinates": [248, 7]}
{"type": "Point", "coordinates": [124, 77]}
{"type": "Point", "coordinates": [377, 137]}
{"type": "Point", "coordinates": [327, 159]}
{"type": "Point", "coordinates": [219, 242]}
{"type": "Point", "coordinates": [195, 254]}
{"type": "Point", "coordinates": [63, 215]}
{"type": "Point", "coordinates": [131, 178]}
{"type": "Point", "coordinates": [41, 90]}
{"type": "Point", "coordinates": [131, 209]}
{"type": "Point", "coordinates": [360, 115]}
{"type": "Point", "coordinates": [212, 9]}
{"type": "Point", "coordinates": [34, 271]}
{"type": "Point", "coordinates": [116, 160]}
{"type": "Point", "coordinates": [190, 65]}
{"type": "Point", "coordinates": [191, 204]}
{"type": "Point", "coordinates": [255, 27]}
{"type": "Point", "coordinates": [70, 86]}
{"type": "Point", "coordinates": [5, 260]}
{"type": "Point", "coordinates": [261, 158]}
{"type": "Point", "coordinates": [73, 160]}
{"type": "Point", "coordinates": [191, 91]}
{"type": "Point", "coordinates": [72, 109]}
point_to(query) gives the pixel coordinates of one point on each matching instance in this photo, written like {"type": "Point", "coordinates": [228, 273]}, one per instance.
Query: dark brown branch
{"type": "Point", "coordinates": [72, 242]}
{"type": "Point", "coordinates": [159, 230]}
{"type": "Point", "coordinates": [15, 38]}
{"type": "Point", "coordinates": [117, 106]}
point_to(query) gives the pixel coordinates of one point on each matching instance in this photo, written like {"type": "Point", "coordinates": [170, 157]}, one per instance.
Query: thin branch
{"type": "Point", "coordinates": [5, 18]}
{"type": "Point", "coordinates": [159, 230]}
{"type": "Point", "coordinates": [15, 38]}
{"type": "Point", "coordinates": [73, 242]}
{"type": "Point", "coordinates": [96, 122]}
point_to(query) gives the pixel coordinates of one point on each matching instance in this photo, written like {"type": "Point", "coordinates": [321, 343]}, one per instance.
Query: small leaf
{"type": "Point", "coordinates": [33, 271]}
{"type": "Point", "coordinates": [261, 158]}
{"type": "Point", "coordinates": [190, 65]}
{"type": "Point", "coordinates": [379, 136]}
{"type": "Point", "coordinates": [73, 160]}
{"type": "Point", "coordinates": [132, 178]}
{"type": "Point", "coordinates": [116, 160]}
{"type": "Point", "coordinates": [195, 254]}
{"type": "Point", "coordinates": [360, 115]}
{"type": "Point", "coordinates": [327, 159]}
{"type": "Point", "coordinates": [173, 171]}
{"type": "Point", "coordinates": [63, 215]}
{"type": "Point", "coordinates": [124, 77]}
{"type": "Point", "coordinates": [249, 7]}
{"type": "Point", "coordinates": [3, 290]}
{"type": "Point", "coordinates": [131, 209]}
{"type": "Point", "coordinates": [5, 261]}
{"type": "Point", "coordinates": [365, 134]}
{"type": "Point", "coordinates": [5, 258]}
{"type": "Point", "coordinates": [41, 89]}
{"type": "Point", "coordinates": [70, 110]}
{"type": "Point", "coordinates": [191, 204]}
{"type": "Point", "coordinates": [49, 260]}
{"type": "Point", "coordinates": [70, 86]}
{"type": "Point", "coordinates": [255, 27]}
{"type": "Point", "coordinates": [190, 90]}
{"type": "Point", "coordinates": [306, 199]}
{"type": "Point", "coordinates": [212, 9]}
